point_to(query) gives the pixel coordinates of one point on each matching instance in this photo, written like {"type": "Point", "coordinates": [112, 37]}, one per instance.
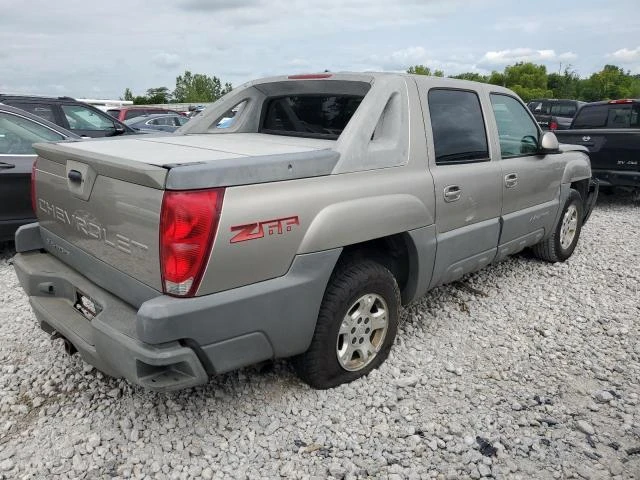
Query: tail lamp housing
{"type": "Point", "coordinates": [188, 225]}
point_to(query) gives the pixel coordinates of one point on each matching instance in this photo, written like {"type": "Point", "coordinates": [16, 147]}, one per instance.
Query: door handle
{"type": "Point", "coordinates": [452, 193]}
{"type": "Point", "coordinates": [511, 180]}
{"type": "Point", "coordinates": [5, 165]}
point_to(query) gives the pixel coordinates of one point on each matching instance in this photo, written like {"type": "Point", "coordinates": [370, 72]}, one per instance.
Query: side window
{"type": "Point", "coordinates": [39, 109]}
{"type": "Point", "coordinates": [459, 134]}
{"type": "Point", "coordinates": [17, 134]}
{"type": "Point", "coordinates": [563, 109]}
{"type": "Point", "coordinates": [517, 131]}
{"type": "Point", "coordinates": [83, 118]}
{"type": "Point", "coordinates": [619, 117]}
{"type": "Point", "coordinates": [591, 117]}
{"type": "Point", "coordinates": [133, 113]}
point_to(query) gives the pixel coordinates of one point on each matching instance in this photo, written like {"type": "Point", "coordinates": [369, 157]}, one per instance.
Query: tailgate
{"type": "Point", "coordinates": [106, 207]}
{"type": "Point", "coordinates": [609, 149]}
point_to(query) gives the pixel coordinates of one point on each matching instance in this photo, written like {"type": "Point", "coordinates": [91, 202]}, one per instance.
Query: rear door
{"type": "Point", "coordinates": [17, 134]}
{"type": "Point", "coordinates": [530, 181]}
{"type": "Point", "coordinates": [467, 183]}
{"type": "Point", "coordinates": [611, 132]}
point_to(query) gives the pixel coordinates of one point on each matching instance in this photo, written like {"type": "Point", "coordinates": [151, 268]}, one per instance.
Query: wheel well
{"type": "Point", "coordinates": [391, 251]}
{"type": "Point", "coordinates": [582, 187]}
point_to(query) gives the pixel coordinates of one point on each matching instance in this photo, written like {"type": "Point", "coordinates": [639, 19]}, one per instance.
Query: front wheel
{"type": "Point", "coordinates": [356, 326]}
{"type": "Point", "coordinates": [560, 245]}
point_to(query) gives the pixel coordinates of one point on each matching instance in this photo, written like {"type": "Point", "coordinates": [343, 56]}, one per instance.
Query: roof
{"type": "Point", "coordinates": [6, 96]}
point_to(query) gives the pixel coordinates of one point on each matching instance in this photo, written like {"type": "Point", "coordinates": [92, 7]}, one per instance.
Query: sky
{"type": "Point", "coordinates": [96, 49]}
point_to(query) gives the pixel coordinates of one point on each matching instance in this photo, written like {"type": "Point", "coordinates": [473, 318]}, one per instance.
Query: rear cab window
{"type": "Point", "coordinates": [608, 116]}
{"type": "Point", "coordinates": [321, 116]}
{"type": "Point", "coordinates": [457, 123]}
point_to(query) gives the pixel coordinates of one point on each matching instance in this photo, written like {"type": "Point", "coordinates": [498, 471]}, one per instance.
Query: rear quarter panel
{"type": "Point", "coordinates": [310, 215]}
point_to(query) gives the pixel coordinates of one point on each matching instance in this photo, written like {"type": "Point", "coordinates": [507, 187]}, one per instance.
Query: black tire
{"type": "Point", "coordinates": [551, 249]}
{"type": "Point", "coordinates": [319, 365]}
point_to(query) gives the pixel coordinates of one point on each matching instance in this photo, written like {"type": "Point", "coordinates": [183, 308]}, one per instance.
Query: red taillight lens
{"type": "Point", "coordinates": [553, 125]}
{"type": "Point", "coordinates": [188, 225]}
{"type": "Point", "coordinates": [310, 76]}
{"type": "Point", "coordinates": [33, 187]}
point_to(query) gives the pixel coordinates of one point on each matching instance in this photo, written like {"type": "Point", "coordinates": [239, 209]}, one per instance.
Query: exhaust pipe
{"type": "Point", "coordinates": [69, 347]}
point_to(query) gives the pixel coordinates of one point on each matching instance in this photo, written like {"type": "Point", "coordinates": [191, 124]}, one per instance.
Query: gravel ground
{"type": "Point", "coordinates": [524, 370]}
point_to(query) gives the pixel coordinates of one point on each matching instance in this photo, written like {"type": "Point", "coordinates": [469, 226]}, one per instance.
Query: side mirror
{"type": "Point", "coordinates": [119, 129]}
{"type": "Point", "coordinates": [549, 143]}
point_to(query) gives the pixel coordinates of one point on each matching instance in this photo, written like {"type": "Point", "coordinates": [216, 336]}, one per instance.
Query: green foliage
{"type": "Point", "coordinates": [158, 95]}
{"type": "Point", "coordinates": [473, 76]}
{"type": "Point", "coordinates": [531, 81]}
{"type": "Point", "coordinates": [197, 88]}
{"type": "Point", "coordinates": [141, 100]}
{"type": "Point", "coordinates": [128, 95]}
{"type": "Point", "coordinates": [419, 70]}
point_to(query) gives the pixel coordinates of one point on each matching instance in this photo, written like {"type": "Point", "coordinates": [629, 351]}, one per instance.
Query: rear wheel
{"type": "Point", "coordinates": [560, 245]}
{"type": "Point", "coordinates": [356, 326]}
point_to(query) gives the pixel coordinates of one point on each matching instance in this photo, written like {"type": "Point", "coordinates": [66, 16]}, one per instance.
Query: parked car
{"type": "Point", "coordinates": [127, 113]}
{"type": "Point", "coordinates": [611, 132]}
{"type": "Point", "coordinates": [298, 231]}
{"type": "Point", "coordinates": [554, 114]}
{"type": "Point", "coordinates": [18, 131]}
{"type": "Point", "coordinates": [159, 122]}
{"type": "Point", "coordinates": [80, 118]}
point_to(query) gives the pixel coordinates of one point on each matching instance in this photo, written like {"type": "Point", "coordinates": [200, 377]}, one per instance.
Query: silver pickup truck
{"type": "Point", "coordinates": [292, 218]}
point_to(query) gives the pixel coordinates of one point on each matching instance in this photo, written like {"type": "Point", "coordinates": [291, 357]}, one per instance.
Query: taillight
{"type": "Point", "coordinates": [188, 225]}
{"type": "Point", "coordinates": [310, 76]}
{"type": "Point", "coordinates": [553, 125]}
{"type": "Point", "coordinates": [33, 187]}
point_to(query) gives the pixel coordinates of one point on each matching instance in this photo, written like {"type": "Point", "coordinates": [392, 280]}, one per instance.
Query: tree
{"type": "Point", "coordinates": [528, 80]}
{"type": "Point", "coordinates": [128, 95]}
{"type": "Point", "coordinates": [140, 100]}
{"type": "Point", "coordinates": [610, 83]}
{"type": "Point", "coordinates": [193, 88]}
{"type": "Point", "coordinates": [473, 76]}
{"type": "Point", "coordinates": [419, 70]}
{"type": "Point", "coordinates": [566, 85]}
{"type": "Point", "coordinates": [158, 95]}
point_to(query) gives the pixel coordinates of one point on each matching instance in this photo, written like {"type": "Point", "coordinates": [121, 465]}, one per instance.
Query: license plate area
{"type": "Point", "coordinates": [87, 306]}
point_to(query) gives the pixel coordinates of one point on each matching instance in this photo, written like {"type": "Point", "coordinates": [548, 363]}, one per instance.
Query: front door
{"type": "Point", "coordinates": [467, 183]}
{"type": "Point", "coordinates": [530, 180]}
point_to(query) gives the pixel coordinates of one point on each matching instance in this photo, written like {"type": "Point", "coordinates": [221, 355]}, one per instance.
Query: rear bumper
{"type": "Point", "coordinates": [171, 343]}
{"type": "Point", "coordinates": [617, 178]}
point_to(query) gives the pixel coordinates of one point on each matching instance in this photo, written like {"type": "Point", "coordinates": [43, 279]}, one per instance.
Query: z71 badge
{"type": "Point", "coordinates": [253, 231]}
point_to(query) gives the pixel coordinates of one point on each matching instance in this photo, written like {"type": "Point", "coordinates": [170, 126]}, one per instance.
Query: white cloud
{"type": "Point", "coordinates": [626, 55]}
{"type": "Point", "coordinates": [509, 56]}
{"type": "Point", "coordinates": [166, 60]}
{"type": "Point", "coordinates": [567, 56]}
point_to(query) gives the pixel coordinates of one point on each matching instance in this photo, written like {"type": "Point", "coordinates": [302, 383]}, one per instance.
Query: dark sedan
{"type": "Point", "coordinates": [158, 122]}
{"type": "Point", "coordinates": [18, 131]}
